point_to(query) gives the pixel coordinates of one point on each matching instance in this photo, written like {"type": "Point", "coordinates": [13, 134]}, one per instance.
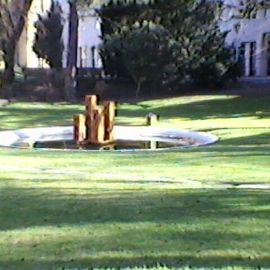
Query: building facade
{"type": "Point", "coordinates": [249, 38]}
{"type": "Point", "coordinates": [88, 36]}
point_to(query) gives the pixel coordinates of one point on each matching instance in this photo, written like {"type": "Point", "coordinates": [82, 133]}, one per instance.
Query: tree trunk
{"type": "Point", "coordinates": [9, 60]}
{"type": "Point", "coordinates": [138, 89]}
{"type": "Point", "coordinates": [70, 77]}
{"type": "Point", "coordinates": [13, 16]}
{"type": "Point", "coordinates": [139, 82]}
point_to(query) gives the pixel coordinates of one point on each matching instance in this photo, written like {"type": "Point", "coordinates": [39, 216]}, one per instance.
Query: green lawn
{"type": "Point", "coordinates": [194, 208]}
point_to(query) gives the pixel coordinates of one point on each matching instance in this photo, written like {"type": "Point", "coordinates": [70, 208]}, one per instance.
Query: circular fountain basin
{"type": "Point", "coordinates": [154, 138]}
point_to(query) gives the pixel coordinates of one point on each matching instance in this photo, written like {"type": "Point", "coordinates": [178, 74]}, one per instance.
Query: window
{"type": "Point", "coordinates": [89, 57]}
{"type": "Point", "coordinates": [84, 56]}
{"type": "Point", "coordinates": [252, 58]}
{"type": "Point", "coordinates": [241, 57]}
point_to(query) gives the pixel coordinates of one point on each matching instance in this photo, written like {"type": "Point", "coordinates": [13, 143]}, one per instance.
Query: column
{"type": "Point", "coordinates": [261, 56]}
{"type": "Point", "coordinates": [247, 58]}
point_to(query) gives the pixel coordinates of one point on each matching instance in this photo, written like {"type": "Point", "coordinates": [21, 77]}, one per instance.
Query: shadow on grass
{"type": "Point", "coordinates": [235, 107]}
{"type": "Point", "coordinates": [207, 109]}
{"type": "Point", "coordinates": [209, 228]}
{"type": "Point", "coordinates": [253, 140]}
{"type": "Point", "coordinates": [51, 206]}
{"type": "Point", "coordinates": [145, 262]}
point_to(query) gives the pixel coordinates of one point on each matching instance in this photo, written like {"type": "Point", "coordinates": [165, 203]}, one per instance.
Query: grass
{"type": "Point", "coordinates": [188, 209]}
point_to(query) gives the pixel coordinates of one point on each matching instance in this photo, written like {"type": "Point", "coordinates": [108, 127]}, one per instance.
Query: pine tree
{"type": "Point", "coordinates": [195, 41]}
{"type": "Point", "coordinates": [48, 43]}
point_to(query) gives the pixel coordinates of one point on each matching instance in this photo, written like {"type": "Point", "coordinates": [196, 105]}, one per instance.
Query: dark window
{"type": "Point", "coordinates": [252, 58]}
{"type": "Point", "coordinates": [268, 57]}
{"type": "Point", "coordinates": [241, 57]}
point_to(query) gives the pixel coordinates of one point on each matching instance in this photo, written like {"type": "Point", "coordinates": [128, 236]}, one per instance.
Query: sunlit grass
{"type": "Point", "coordinates": [202, 208]}
{"type": "Point", "coordinates": [23, 115]}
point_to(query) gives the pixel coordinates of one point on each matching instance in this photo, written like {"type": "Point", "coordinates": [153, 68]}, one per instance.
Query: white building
{"type": "Point", "coordinates": [88, 36]}
{"type": "Point", "coordinates": [249, 37]}
{"type": "Point", "coordinates": [89, 33]}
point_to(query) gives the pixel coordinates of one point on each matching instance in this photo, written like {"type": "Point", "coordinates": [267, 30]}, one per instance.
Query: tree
{"type": "Point", "coordinates": [70, 76]}
{"type": "Point", "coordinates": [194, 36]}
{"type": "Point", "coordinates": [145, 53]}
{"type": "Point", "coordinates": [13, 15]}
{"type": "Point", "coordinates": [48, 42]}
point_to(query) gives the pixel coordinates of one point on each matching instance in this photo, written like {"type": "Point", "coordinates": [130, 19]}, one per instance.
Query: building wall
{"type": "Point", "coordinates": [88, 37]}
{"type": "Point", "coordinates": [88, 40]}
{"type": "Point", "coordinates": [249, 37]}
{"type": "Point", "coordinates": [25, 54]}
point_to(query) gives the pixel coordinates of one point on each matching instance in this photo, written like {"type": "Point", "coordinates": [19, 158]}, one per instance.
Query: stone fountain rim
{"type": "Point", "coordinates": [28, 136]}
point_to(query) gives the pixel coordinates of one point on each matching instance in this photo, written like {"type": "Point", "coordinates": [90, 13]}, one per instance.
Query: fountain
{"type": "Point", "coordinates": [96, 125]}
{"type": "Point", "coordinates": [95, 130]}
